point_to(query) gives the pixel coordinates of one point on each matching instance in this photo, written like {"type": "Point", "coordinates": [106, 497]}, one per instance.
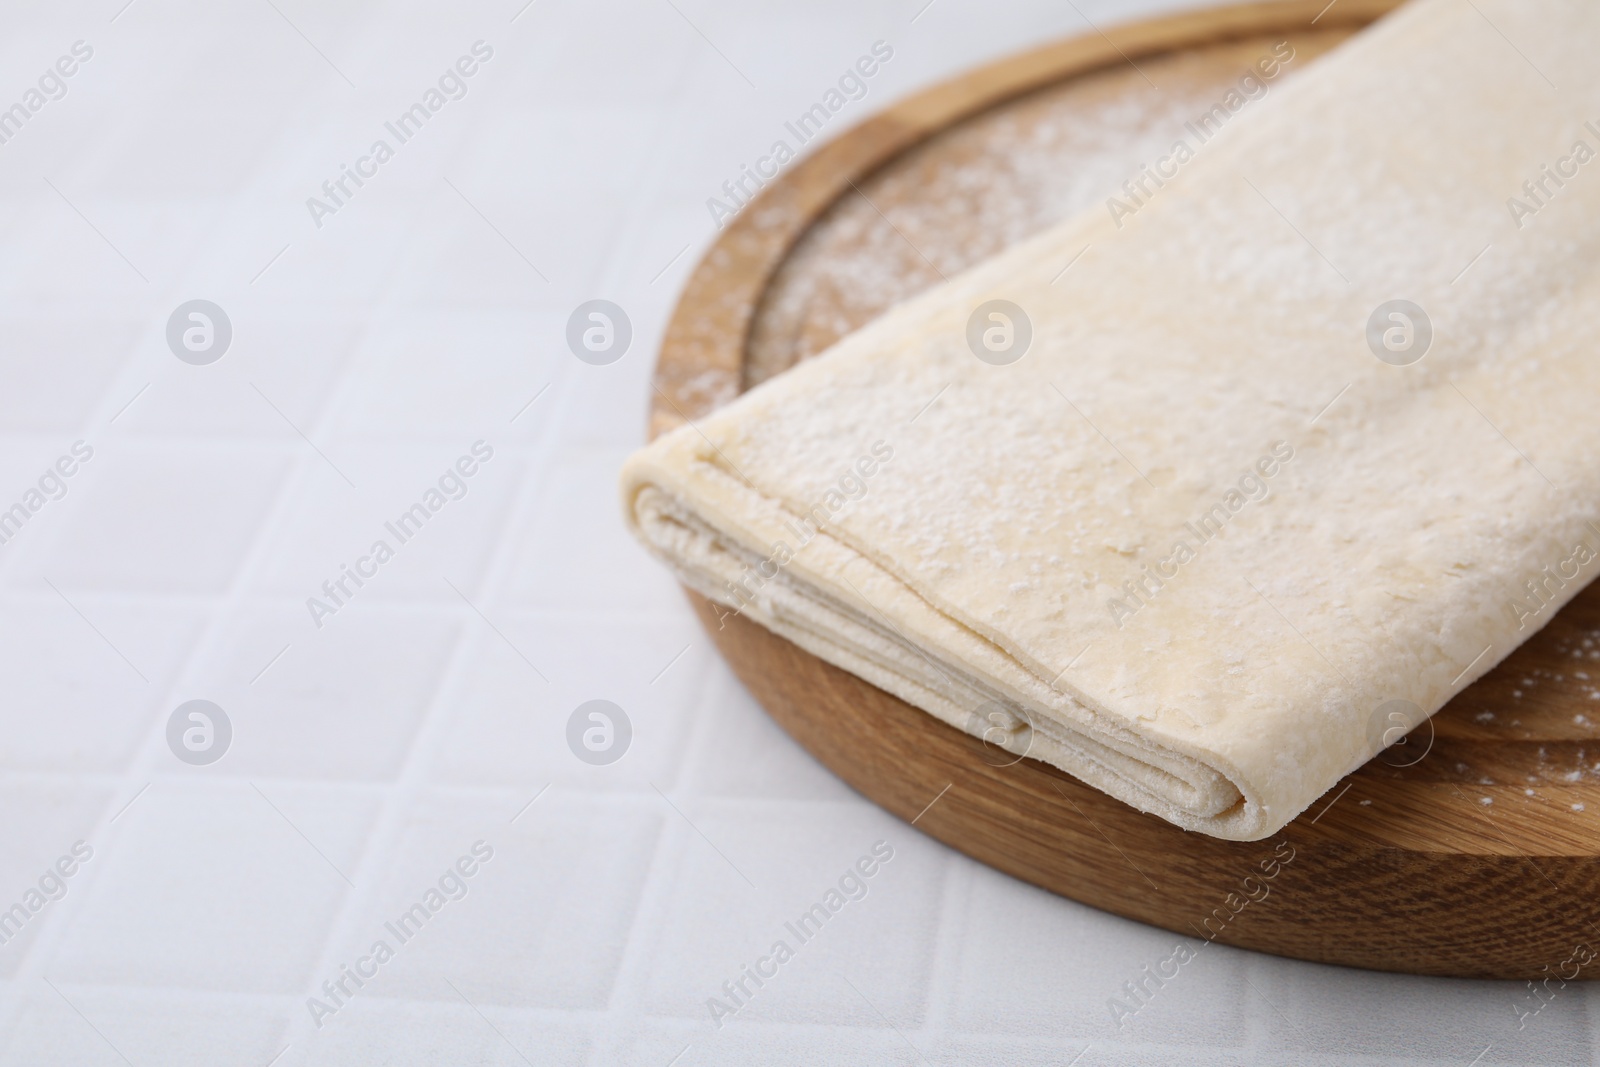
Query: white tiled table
{"type": "Point", "coordinates": [371, 753]}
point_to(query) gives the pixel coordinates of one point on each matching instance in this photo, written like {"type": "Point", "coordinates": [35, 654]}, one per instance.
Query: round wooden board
{"type": "Point", "coordinates": [1478, 858]}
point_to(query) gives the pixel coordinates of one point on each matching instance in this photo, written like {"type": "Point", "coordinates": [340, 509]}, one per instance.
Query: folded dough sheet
{"type": "Point", "coordinates": [1194, 545]}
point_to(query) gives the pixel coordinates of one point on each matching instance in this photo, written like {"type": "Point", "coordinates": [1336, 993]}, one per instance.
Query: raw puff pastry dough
{"type": "Point", "coordinates": [1015, 559]}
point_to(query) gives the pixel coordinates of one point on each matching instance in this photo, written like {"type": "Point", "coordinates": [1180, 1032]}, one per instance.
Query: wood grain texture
{"type": "Point", "coordinates": [1473, 849]}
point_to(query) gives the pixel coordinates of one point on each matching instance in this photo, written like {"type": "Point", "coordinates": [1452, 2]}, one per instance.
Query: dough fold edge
{"type": "Point", "coordinates": [837, 604]}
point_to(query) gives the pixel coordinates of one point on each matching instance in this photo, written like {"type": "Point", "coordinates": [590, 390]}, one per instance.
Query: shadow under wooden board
{"type": "Point", "coordinates": [1470, 849]}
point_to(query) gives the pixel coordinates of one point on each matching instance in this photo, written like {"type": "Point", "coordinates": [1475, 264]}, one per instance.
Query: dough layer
{"type": "Point", "coordinates": [1193, 543]}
